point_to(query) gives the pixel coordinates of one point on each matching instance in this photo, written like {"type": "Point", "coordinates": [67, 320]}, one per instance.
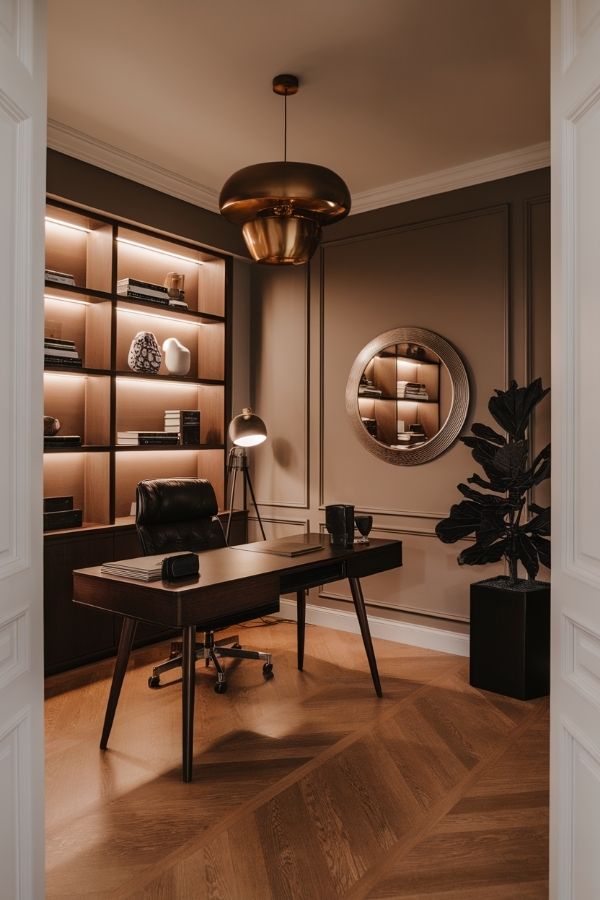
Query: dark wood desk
{"type": "Point", "coordinates": [231, 580]}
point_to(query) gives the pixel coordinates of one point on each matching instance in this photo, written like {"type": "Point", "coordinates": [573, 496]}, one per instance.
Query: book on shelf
{"type": "Point", "coordinates": [129, 287]}
{"type": "Point", "coordinates": [136, 284]}
{"type": "Point", "coordinates": [178, 304]}
{"type": "Point", "coordinates": [73, 362]}
{"type": "Point", "coordinates": [59, 277]}
{"type": "Point", "coordinates": [145, 438]}
{"type": "Point", "coordinates": [185, 423]}
{"type": "Point", "coordinates": [140, 295]}
{"type": "Point", "coordinates": [59, 342]}
{"type": "Point", "coordinates": [64, 352]}
{"type": "Point", "coordinates": [411, 390]}
{"type": "Point", "coordinates": [57, 504]}
{"type": "Point", "coordinates": [62, 440]}
{"type": "Point", "coordinates": [62, 518]}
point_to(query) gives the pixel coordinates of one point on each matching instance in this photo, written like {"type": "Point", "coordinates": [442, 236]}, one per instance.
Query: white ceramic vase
{"type": "Point", "coordinates": [177, 357]}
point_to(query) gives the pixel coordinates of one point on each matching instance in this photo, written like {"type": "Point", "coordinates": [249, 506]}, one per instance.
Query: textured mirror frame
{"type": "Point", "coordinates": [449, 431]}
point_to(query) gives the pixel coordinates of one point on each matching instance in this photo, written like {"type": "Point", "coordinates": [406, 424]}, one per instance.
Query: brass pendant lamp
{"type": "Point", "coordinates": [281, 206]}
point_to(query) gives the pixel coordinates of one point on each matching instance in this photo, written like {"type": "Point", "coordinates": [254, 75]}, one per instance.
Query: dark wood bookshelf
{"type": "Point", "coordinates": [104, 397]}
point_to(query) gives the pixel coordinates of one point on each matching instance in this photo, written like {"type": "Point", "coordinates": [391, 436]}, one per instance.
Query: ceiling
{"type": "Point", "coordinates": [391, 90]}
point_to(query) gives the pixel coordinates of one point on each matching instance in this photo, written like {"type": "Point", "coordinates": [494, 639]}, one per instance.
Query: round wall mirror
{"type": "Point", "coordinates": [408, 396]}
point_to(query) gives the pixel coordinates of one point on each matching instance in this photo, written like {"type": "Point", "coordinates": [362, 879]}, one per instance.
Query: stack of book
{"type": "Point", "coordinates": [411, 390]}
{"type": "Point", "coordinates": [62, 440]}
{"type": "Point", "coordinates": [144, 568]}
{"type": "Point", "coordinates": [59, 513]}
{"type": "Point", "coordinates": [61, 353]}
{"type": "Point", "coordinates": [59, 277]}
{"type": "Point", "coordinates": [366, 388]}
{"type": "Point", "coordinates": [146, 439]}
{"type": "Point", "coordinates": [185, 424]}
{"type": "Point", "coordinates": [146, 290]}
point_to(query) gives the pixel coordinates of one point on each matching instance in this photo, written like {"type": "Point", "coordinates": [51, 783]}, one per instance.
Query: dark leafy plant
{"type": "Point", "coordinates": [498, 517]}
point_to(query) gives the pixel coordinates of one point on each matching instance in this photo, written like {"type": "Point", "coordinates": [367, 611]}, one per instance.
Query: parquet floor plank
{"type": "Point", "coordinates": [306, 787]}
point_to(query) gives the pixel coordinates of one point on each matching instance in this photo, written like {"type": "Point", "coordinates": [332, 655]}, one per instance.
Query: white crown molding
{"type": "Point", "coordinates": [401, 632]}
{"type": "Point", "coordinates": [75, 143]}
{"type": "Point", "coordinates": [503, 165]}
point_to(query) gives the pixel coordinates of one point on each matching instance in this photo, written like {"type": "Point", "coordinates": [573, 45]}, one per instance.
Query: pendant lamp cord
{"type": "Point", "coordinates": [285, 127]}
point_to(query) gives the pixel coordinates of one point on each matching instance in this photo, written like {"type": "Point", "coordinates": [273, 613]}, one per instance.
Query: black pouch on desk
{"type": "Point", "coordinates": [184, 565]}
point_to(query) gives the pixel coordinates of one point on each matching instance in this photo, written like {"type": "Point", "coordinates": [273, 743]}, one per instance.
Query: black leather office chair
{"type": "Point", "coordinates": [174, 514]}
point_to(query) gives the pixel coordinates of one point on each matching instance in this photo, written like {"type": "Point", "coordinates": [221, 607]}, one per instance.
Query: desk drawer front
{"type": "Point", "coordinates": [329, 571]}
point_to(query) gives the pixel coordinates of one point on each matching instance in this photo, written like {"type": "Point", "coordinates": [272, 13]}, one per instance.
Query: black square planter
{"type": "Point", "coordinates": [510, 638]}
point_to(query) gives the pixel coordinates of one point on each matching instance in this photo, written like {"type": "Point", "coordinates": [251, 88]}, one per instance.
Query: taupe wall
{"type": "Point", "coordinates": [471, 265]}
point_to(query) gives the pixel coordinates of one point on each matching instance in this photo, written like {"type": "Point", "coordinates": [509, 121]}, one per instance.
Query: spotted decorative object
{"type": "Point", "coordinates": [144, 354]}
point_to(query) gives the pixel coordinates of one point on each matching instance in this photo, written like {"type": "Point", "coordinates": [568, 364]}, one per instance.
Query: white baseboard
{"type": "Point", "coordinates": [401, 632]}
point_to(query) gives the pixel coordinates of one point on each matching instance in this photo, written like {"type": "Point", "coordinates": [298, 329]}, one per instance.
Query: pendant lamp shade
{"type": "Point", "coordinates": [282, 206]}
{"type": "Point", "coordinates": [247, 429]}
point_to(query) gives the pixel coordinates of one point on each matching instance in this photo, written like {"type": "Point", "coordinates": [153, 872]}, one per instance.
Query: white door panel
{"type": "Point", "coordinates": [22, 177]}
{"type": "Point", "coordinates": [575, 698]}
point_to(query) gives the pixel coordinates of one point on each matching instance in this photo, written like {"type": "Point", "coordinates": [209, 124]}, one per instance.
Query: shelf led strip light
{"type": "Point", "coordinates": [149, 315]}
{"type": "Point", "coordinates": [66, 300]}
{"type": "Point", "coordinates": [68, 224]}
{"type": "Point", "coordinates": [187, 259]}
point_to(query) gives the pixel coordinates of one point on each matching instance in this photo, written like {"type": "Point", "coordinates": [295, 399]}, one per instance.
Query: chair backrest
{"type": "Point", "coordinates": [175, 514]}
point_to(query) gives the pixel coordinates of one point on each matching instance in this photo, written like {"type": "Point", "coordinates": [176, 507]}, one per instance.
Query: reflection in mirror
{"type": "Point", "coordinates": [404, 395]}
{"type": "Point", "coordinates": [408, 395]}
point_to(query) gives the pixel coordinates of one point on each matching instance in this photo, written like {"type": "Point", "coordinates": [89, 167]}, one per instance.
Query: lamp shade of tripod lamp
{"type": "Point", "coordinates": [245, 430]}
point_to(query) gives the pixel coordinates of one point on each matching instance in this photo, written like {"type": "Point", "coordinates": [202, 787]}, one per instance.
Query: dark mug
{"type": "Point", "coordinates": [339, 521]}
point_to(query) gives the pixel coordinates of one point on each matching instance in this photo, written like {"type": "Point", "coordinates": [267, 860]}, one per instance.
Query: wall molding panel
{"type": "Point", "coordinates": [581, 658]}
{"type": "Point", "coordinates": [15, 828]}
{"type": "Point", "coordinates": [577, 27]}
{"type": "Point", "coordinates": [583, 424]}
{"type": "Point", "coordinates": [579, 778]}
{"type": "Point", "coordinates": [14, 646]}
{"type": "Point", "coordinates": [15, 370]}
{"type": "Point", "coordinates": [433, 264]}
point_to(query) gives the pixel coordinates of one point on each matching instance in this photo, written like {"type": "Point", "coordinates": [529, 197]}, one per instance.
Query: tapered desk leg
{"type": "Point", "coordinates": [300, 622]}
{"type": "Point", "coordinates": [125, 641]}
{"type": "Point", "coordinates": [187, 695]}
{"type": "Point", "coordinates": [361, 614]}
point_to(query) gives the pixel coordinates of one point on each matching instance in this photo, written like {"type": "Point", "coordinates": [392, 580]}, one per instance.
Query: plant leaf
{"type": "Point", "coordinates": [487, 433]}
{"type": "Point", "coordinates": [512, 408]}
{"type": "Point", "coordinates": [479, 554]}
{"type": "Point", "coordinates": [543, 547]}
{"type": "Point", "coordinates": [540, 524]}
{"type": "Point", "coordinates": [482, 499]}
{"type": "Point", "coordinates": [528, 554]}
{"type": "Point", "coordinates": [463, 520]}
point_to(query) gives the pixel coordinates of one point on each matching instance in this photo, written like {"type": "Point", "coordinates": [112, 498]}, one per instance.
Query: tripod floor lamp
{"type": "Point", "coordinates": [245, 430]}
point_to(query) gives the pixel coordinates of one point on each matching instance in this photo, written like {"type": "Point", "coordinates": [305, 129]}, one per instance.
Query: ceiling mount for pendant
{"type": "Point", "coordinates": [286, 85]}
{"type": "Point", "coordinates": [281, 206]}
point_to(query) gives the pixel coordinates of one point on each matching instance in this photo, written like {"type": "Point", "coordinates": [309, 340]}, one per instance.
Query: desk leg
{"type": "Point", "coordinates": [125, 641]}
{"type": "Point", "coordinates": [300, 622]}
{"type": "Point", "coordinates": [187, 695]}
{"type": "Point", "coordinates": [361, 615]}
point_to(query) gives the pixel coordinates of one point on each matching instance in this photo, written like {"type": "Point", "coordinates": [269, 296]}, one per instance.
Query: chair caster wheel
{"type": "Point", "coordinates": [220, 687]}
{"type": "Point", "coordinates": [268, 671]}
{"type": "Point", "coordinates": [154, 681]}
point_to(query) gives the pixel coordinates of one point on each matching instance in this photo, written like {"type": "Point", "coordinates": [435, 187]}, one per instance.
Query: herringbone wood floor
{"type": "Point", "coordinates": [305, 787]}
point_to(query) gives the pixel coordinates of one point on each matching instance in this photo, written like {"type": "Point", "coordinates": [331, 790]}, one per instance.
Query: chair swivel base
{"type": "Point", "coordinates": [213, 651]}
